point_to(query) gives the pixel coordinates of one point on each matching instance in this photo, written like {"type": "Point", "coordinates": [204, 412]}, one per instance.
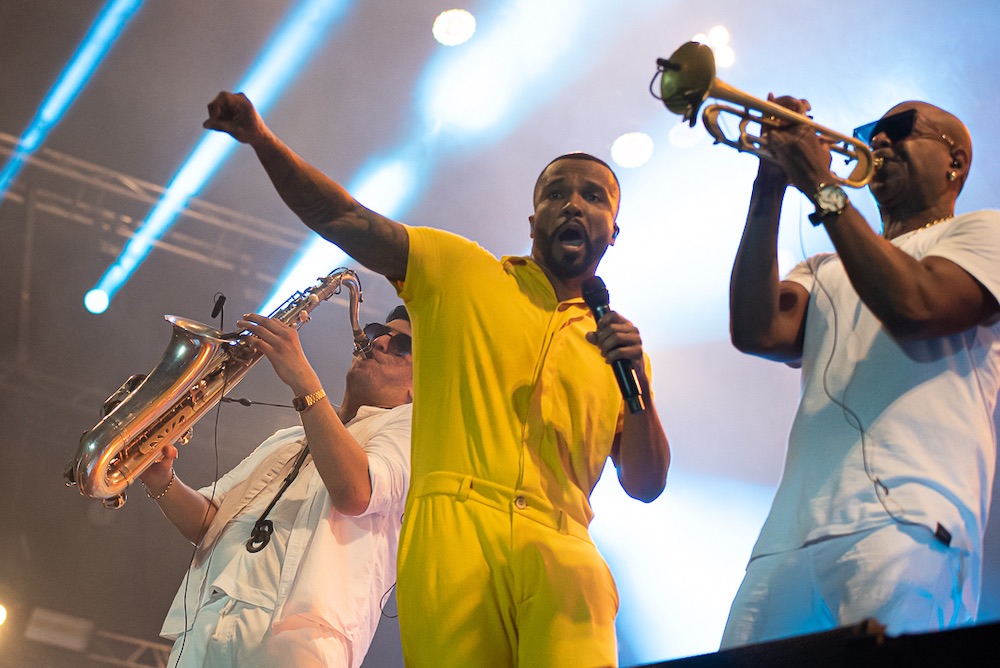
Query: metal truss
{"type": "Point", "coordinates": [115, 204]}
{"type": "Point", "coordinates": [113, 649]}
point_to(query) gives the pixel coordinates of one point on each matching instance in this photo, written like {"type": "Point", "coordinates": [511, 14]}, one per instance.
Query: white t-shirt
{"type": "Point", "coordinates": [917, 414]}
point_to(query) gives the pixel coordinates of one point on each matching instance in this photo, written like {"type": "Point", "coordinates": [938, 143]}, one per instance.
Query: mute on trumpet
{"type": "Point", "coordinates": [687, 80]}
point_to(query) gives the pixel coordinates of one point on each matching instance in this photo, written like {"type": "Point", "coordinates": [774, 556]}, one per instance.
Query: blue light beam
{"type": "Point", "coordinates": [465, 99]}
{"type": "Point", "coordinates": [386, 185]}
{"type": "Point", "coordinates": [106, 29]}
{"type": "Point", "coordinates": [295, 41]}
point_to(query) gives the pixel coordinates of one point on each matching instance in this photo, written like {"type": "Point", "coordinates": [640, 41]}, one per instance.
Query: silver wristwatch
{"type": "Point", "coordinates": [830, 201]}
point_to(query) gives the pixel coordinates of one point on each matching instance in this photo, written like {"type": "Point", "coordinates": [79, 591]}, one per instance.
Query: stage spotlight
{"type": "Point", "coordinates": [454, 27]}
{"type": "Point", "coordinates": [488, 87]}
{"type": "Point", "coordinates": [632, 149]}
{"type": "Point", "coordinates": [96, 301]}
{"type": "Point", "coordinates": [724, 56]}
{"type": "Point", "coordinates": [718, 39]}
{"type": "Point", "coordinates": [3, 614]}
{"type": "Point", "coordinates": [718, 36]}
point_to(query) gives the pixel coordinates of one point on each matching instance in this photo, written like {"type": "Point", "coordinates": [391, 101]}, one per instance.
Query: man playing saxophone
{"type": "Point", "coordinates": [296, 546]}
{"type": "Point", "coordinates": [883, 500]}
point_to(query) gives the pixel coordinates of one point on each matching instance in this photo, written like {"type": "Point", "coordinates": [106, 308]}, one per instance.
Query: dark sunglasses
{"type": "Point", "coordinates": [399, 344]}
{"type": "Point", "coordinates": [896, 128]}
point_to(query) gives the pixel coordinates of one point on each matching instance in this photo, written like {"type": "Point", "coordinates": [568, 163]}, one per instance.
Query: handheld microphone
{"type": "Point", "coordinates": [595, 294]}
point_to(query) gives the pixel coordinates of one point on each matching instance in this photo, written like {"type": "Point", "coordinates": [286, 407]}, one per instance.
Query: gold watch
{"type": "Point", "coordinates": [302, 403]}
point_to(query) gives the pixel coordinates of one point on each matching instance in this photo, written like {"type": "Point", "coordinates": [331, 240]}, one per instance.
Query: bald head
{"type": "Point", "coordinates": [946, 123]}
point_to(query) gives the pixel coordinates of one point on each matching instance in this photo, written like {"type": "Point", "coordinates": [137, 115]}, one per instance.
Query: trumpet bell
{"type": "Point", "coordinates": [685, 79]}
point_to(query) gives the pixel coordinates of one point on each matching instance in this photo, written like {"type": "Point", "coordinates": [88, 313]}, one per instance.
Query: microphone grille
{"type": "Point", "coordinates": [594, 292]}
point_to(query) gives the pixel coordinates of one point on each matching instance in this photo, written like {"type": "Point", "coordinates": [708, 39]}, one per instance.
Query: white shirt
{"type": "Point", "coordinates": [321, 566]}
{"type": "Point", "coordinates": [925, 408]}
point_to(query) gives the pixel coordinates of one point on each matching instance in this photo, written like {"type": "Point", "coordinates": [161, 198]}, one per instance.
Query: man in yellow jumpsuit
{"type": "Point", "coordinates": [516, 411]}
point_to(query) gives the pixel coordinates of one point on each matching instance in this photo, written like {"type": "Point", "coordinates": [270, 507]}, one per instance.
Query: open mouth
{"type": "Point", "coordinates": [571, 236]}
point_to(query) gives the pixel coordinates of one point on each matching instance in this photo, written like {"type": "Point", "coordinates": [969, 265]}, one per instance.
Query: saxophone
{"type": "Point", "coordinates": [198, 367]}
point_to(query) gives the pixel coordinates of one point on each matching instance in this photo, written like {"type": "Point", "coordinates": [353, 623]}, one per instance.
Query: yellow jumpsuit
{"type": "Point", "coordinates": [514, 417]}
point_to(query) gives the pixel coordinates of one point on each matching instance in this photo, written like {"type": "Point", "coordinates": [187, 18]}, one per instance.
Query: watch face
{"type": "Point", "coordinates": [831, 199]}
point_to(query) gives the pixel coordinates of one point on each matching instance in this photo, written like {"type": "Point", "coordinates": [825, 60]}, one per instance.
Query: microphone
{"type": "Point", "coordinates": [595, 294]}
{"type": "Point", "coordinates": [220, 301]}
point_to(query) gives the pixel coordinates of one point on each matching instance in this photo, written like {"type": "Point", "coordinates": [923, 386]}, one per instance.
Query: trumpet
{"type": "Point", "coordinates": [688, 78]}
{"type": "Point", "coordinates": [200, 364]}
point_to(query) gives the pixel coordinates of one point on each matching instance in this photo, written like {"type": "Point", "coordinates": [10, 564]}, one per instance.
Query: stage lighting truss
{"type": "Point", "coordinates": [115, 204]}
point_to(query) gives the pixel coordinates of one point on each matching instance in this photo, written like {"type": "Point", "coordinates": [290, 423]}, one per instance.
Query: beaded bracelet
{"type": "Point", "coordinates": [173, 474]}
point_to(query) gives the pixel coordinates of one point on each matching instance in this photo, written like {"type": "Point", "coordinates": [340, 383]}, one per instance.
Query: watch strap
{"type": "Point", "coordinates": [303, 403]}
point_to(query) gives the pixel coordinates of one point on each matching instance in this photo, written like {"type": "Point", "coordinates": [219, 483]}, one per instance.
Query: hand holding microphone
{"type": "Point", "coordinates": [614, 337]}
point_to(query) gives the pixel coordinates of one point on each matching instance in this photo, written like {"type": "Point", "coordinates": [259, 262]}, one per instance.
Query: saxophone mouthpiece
{"type": "Point", "coordinates": [362, 344]}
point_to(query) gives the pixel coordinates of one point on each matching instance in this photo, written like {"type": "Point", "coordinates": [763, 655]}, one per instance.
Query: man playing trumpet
{"type": "Point", "coordinates": [883, 500]}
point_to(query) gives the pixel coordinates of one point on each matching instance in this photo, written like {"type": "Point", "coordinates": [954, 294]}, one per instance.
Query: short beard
{"type": "Point", "coordinates": [564, 270]}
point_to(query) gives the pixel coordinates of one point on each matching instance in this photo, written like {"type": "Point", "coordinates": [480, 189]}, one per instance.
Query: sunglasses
{"type": "Point", "coordinates": [896, 128]}
{"type": "Point", "coordinates": [399, 344]}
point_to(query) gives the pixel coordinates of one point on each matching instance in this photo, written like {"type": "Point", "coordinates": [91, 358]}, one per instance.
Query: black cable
{"type": "Point", "coordinates": [384, 600]}
{"type": "Point", "coordinates": [243, 401]}
{"type": "Point", "coordinates": [852, 418]}
{"type": "Point", "coordinates": [204, 523]}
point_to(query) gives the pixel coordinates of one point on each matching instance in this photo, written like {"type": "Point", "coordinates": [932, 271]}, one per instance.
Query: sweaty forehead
{"type": "Point", "coordinates": [588, 171]}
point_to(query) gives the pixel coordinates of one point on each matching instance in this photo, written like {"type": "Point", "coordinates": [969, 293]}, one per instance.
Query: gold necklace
{"type": "Point", "coordinates": [933, 223]}
{"type": "Point", "coordinates": [924, 227]}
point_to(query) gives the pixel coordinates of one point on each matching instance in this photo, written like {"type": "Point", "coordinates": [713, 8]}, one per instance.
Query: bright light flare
{"type": "Point", "coordinates": [3, 614]}
{"type": "Point", "coordinates": [718, 39]}
{"type": "Point", "coordinates": [454, 27]}
{"type": "Point", "coordinates": [484, 88]}
{"type": "Point", "coordinates": [682, 135]}
{"type": "Point", "coordinates": [388, 186]}
{"type": "Point", "coordinates": [718, 36]}
{"type": "Point", "coordinates": [96, 301]}
{"type": "Point", "coordinates": [651, 567]}
{"type": "Point", "coordinates": [632, 149]}
{"type": "Point", "coordinates": [724, 56]}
